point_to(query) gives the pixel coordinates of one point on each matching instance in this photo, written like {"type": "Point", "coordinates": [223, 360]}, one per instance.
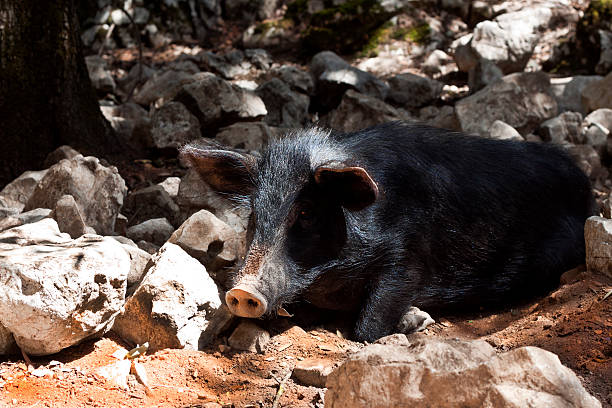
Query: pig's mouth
{"type": "Point", "coordinates": [244, 301]}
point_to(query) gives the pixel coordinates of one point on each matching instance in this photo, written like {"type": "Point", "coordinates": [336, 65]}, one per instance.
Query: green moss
{"type": "Point", "coordinates": [361, 9]}
{"type": "Point", "coordinates": [400, 33]}
{"type": "Point", "coordinates": [268, 25]}
{"type": "Point", "coordinates": [601, 5]}
{"type": "Point", "coordinates": [354, 26]}
{"type": "Point", "coordinates": [262, 27]}
{"type": "Point", "coordinates": [587, 48]}
{"type": "Point", "coordinates": [598, 13]}
{"type": "Point", "coordinates": [419, 34]}
{"type": "Point", "coordinates": [377, 37]}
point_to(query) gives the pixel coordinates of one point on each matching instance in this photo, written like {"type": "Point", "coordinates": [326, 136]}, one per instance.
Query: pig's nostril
{"type": "Point", "coordinates": [245, 303]}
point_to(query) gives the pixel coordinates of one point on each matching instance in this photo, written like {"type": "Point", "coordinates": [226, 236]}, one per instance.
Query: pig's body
{"type": "Point", "coordinates": [397, 215]}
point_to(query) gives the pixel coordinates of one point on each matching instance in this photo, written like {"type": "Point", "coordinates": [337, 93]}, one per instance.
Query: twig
{"type": "Point", "coordinates": [26, 358]}
{"type": "Point", "coordinates": [141, 375]}
{"type": "Point", "coordinates": [106, 37]}
{"type": "Point", "coordinates": [285, 347]}
{"type": "Point", "coordinates": [281, 388]}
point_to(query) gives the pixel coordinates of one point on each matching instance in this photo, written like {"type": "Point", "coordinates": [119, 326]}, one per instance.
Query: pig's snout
{"type": "Point", "coordinates": [245, 303]}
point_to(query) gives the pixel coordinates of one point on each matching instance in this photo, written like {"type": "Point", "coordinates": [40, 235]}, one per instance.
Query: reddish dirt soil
{"type": "Point", "coordinates": [574, 322]}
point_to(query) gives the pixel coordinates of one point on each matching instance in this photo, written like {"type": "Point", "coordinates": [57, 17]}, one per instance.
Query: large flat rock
{"type": "Point", "coordinates": [436, 372]}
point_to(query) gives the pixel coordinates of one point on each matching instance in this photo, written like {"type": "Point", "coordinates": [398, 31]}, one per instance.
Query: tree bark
{"type": "Point", "coordinates": [46, 97]}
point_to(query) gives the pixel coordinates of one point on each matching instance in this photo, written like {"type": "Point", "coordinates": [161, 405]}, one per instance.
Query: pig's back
{"type": "Point", "coordinates": [484, 214]}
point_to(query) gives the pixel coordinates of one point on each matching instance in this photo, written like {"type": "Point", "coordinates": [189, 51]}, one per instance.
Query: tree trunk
{"type": "Point", "coordinates": [46, 97]}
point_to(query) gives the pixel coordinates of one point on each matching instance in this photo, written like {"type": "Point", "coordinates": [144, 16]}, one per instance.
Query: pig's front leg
{"type": "Point", "coordinates": [414, 320]}
{"type": "Point", "coordinates": [388, 310]}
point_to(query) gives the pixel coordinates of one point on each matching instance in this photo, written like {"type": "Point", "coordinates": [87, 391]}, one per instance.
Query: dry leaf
{"type": "Point", "coordinates": [284, 347]}
{"type": "Point", "coordinates": [138, 351]}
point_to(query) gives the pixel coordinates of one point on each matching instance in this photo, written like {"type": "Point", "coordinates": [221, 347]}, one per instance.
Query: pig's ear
{"type": "Point", "coordinates": [224, 171]}
{"type": "Point", "coordinates": [352, 186]}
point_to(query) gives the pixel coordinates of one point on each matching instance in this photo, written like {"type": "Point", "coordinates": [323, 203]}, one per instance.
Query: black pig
{"type": "Point", "coordinates": [396, 215]}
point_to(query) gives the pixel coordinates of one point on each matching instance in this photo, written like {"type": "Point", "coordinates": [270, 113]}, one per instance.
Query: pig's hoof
{"type": "Point", "coordinates": [414, 320]}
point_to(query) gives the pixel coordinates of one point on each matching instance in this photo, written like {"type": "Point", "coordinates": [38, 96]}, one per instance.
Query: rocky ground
{"type": "Point", "coordinates": [574, 322]}
{"type": "Point", "coordinates": [98, 258]}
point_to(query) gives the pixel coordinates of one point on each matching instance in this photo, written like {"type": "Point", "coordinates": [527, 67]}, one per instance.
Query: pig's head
{"type": "Point", "coordinates": [301, 192]}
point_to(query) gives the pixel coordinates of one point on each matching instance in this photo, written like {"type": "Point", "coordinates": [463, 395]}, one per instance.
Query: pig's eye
{"type": "Point", "coordinates": [306, 218]}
